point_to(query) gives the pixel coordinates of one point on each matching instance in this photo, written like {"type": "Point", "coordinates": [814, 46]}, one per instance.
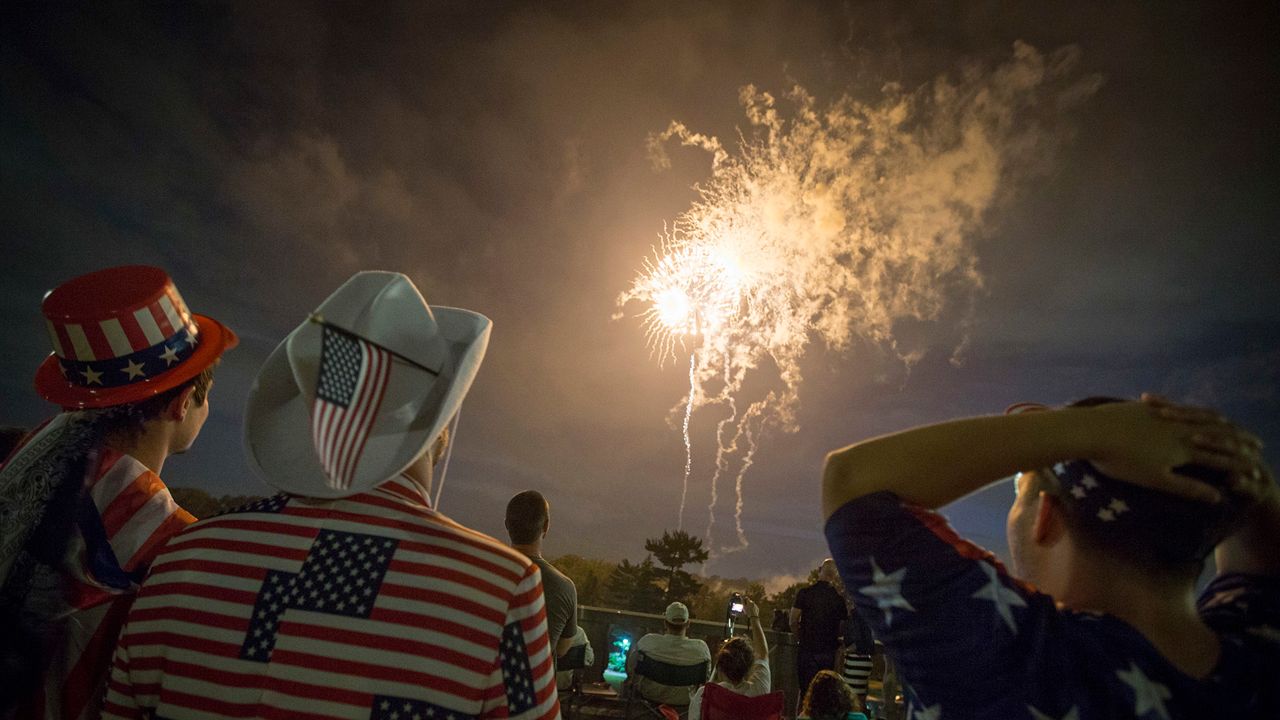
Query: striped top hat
{"type": "Point", "coordinates": [122, 335]}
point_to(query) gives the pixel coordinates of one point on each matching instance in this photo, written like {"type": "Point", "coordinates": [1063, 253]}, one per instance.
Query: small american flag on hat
{"type": "Point", "coordinates": [353, 379]}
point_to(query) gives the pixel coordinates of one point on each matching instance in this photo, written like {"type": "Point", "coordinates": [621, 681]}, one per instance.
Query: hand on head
{"type": "Point", "coordinates": [1146, 441]}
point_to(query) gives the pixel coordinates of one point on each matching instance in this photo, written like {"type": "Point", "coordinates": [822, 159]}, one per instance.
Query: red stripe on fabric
{"type": "Point", "coordinates": [90, 670]}
{"type": "Point", "coordinates": [231, 678]}
{"type": "Point", "coordinates": [264, 526]}
{"type": "Point", "coordinates": [460, 577]}
{"type": "Point", "coordinates": [454, 554]}
{"type": "Point", "coordinates": [350, 439]}
{"type": "Point", "coordinates": [133, 331]}
{"type": "Point", "coordinates": [164, 638]}
{"type": "Point", "coordinates": [212, 567]}
{"type": "Point", "coordinates": [240, 546]}
{"type": "Point", "coordinates": [64, 339]}
{"type": "Point", "coordinates": [403, 489]}
{"type": "Point", "coordinates": [107, 459]}
{"type": "Point", "coordinates": [203, 591]}
{"type": "Point", "coordinates": [157, 312]}
{"type": "Point", "coordinates": [446, 599]}
{"type": "Point", "coordinates": [190, 615]}
{"type": "Point", "coordinates": [98, 341]}
{"type": "Point", "coordinates": [415, 620]}
{"type": "Point", "coordinates": [110, 708]}
{"type": "Point", "coordinates": [131, 498]}
{"type": "Point", "coordinates": [341, 422]}
{"type": "Point", "coordinates": [371, 671]}
{"type": "Point", "coordinates": [277, 713]}
{"type": "Point", "coordinates": [416, 648]}
{"type": "Point", "coordinates": [206, 704]}
{"type": "Point", "coordinates": [380, 370]}
{"type": "Point", "coordinates": [178, 520]}
{"type": "Point", "coordinates": [527, 597]}
{"type": "Point", "coordinates": [320, 429]}
{"type": "Point", "coordinates": [941, 529]}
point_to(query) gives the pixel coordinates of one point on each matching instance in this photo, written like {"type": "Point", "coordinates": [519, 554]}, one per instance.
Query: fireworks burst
{"type": "Point", "coordinates": [833, 223]}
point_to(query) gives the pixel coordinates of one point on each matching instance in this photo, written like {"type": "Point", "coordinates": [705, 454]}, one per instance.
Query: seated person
{"type": "Point", "coordinates": [564, 678]}
{"type": "Point", "coordinates": [829, 698]}
{"type": "Point", "coordinates": [740, 666]}
{"type": "Point", "coordinates": [674, 647]}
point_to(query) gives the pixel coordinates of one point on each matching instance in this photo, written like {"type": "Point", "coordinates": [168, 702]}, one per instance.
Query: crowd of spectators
{"type": "Point", "coordinates": [349, 594]}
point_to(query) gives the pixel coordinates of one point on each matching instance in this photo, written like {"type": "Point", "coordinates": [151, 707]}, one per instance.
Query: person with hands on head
{"type": "Point", "coordinates": [741, 666]}
{"type": "Point", "coordinates": [1118, 504]}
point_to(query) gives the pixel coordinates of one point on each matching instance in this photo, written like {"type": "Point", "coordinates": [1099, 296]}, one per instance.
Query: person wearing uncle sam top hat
{"type": "Point", "coordinates": [1118, 504]}
{"type": "Point", "coordinates": [348, 594]}
{"type": "Point", "coordinates": [82, 508]}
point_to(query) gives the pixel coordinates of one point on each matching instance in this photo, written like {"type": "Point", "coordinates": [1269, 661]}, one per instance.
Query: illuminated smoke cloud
{"type": "Point", "coordinates": [834, 222]}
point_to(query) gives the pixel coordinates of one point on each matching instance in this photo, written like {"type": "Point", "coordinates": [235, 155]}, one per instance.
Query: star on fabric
{"type": "Point", "coordinates": [191, 338]}
{"type": "Point", "coordinates": [91, 376]}
{"type": "Point", "coordinates": [1072, 714]}
{"type": "Point", "coordinates": [169, 356]}
{"type": "Point", "coordinates": [1106, 515]}
{"type": "Point", "coordinates": [133, 370]}
{"type": "Point", "coordinates": [1118, 506]}
{"type": "Point", "coordinates": [1147, 694]}
{"type": "Point", "coordinates": [933, 712]}
{"type": "Point", "coordinates": [1078, 492]}
{"type": "Point", "coordinates": [886, 590]}
{"type": "Point", "coordinates": [1089, 481]}
{"type": "Point", "coordinates": [1003, 597]}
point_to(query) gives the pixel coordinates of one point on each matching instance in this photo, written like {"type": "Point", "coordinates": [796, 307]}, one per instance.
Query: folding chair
{"type": "Point", "coordinates": [721, 703]}
{"type": "Point", "coordinates": [663, 673]}
{"type": "Point", "coordinates": [573, 661]}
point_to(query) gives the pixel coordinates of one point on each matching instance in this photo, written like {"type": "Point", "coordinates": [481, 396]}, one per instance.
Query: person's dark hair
{"type": "Point", "coordinates": [10, 436]}
{"type": "Point", "coordinates": [1167, 533]}
{"type": "Point", "coordinates": [131, 418]}
{"type": "Point", "coordinates": [829, 698]}
{"type": "Point", "coordinates": [527, 514]}
{"type": "Point", "coordinates": [735, 658]}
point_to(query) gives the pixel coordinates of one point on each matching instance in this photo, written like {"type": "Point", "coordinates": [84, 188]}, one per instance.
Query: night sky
{"type": "Point", "coordinates": [263, 152]}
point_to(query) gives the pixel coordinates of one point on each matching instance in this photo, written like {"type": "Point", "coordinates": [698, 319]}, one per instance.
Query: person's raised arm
{"type": "Point", "coordinates": [758, 643]}
{"type": "Point", "coordinates": [1251, 549]}
{"type": "Point", "coordinates": [937, 464]}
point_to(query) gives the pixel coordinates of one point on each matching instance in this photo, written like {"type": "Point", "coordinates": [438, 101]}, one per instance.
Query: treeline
{"type": "Point", "coordinates": [660, 578]}
{"type": "Point", "coordinates": [644, 586]}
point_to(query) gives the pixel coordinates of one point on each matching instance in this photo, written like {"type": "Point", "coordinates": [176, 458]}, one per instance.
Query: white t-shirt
{"type": "Point", "coordinates": [757, 682]}
{"type": "Point", "coordinates": [672, 649]}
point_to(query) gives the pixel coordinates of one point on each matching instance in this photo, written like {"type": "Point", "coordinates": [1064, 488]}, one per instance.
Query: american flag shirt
{"type": "Point", "coordinates": [970, 641]}
{"type": "Point", "coordinates": [131, 518]}
{"type": "Point", "coordinates": [372, 606]}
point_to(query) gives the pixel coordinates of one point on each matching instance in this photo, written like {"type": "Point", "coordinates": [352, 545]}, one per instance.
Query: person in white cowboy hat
{"type": "Point", "coordinates": [82, 508]}
{"type": "Point", "coordinates": [348, 594]}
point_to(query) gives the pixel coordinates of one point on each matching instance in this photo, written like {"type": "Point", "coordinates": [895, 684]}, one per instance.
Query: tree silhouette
{"type": "Point", "coordinates": [674, 550]}
{"type": "Point", "coordinates": [634, 587]}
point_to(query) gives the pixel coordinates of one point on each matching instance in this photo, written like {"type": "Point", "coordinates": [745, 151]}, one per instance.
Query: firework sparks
{"type": "Point", "coordinates": [832, 223]}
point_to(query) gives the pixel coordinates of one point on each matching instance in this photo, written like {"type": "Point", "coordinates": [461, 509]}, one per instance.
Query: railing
{"type": "Point", "coordinates": [604, 625]}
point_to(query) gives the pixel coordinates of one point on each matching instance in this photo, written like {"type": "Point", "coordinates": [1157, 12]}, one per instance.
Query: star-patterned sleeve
{"type": "Point", "coordinates": [523, 681]}
{"type": "Point", "coordinates": [1237, 602]}
{"type": "Point", "coordinates": [961, 630]}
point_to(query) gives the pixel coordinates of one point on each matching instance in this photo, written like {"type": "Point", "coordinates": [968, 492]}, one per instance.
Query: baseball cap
{"type": "Point", "coordinates": [677, 613]}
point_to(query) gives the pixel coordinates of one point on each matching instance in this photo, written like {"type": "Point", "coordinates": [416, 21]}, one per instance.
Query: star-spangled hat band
{"type": "Point", "coordinates": [121, 335]}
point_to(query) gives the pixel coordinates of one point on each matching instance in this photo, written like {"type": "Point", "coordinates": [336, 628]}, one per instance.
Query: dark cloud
{"type": "Point", "coordinates": [264, 151]}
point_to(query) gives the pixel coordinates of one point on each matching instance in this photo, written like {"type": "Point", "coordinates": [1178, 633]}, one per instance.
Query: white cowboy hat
{"type": "Point", "coordinates": [433, 356]}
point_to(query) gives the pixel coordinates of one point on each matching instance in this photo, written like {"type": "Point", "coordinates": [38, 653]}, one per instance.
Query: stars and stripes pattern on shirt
{"type": "Point", "coordinates": [353, 377]}
{"type": "Point", "coordinates": [137, 515]}
{"type": "Point", "coordinates": [368, 606]}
